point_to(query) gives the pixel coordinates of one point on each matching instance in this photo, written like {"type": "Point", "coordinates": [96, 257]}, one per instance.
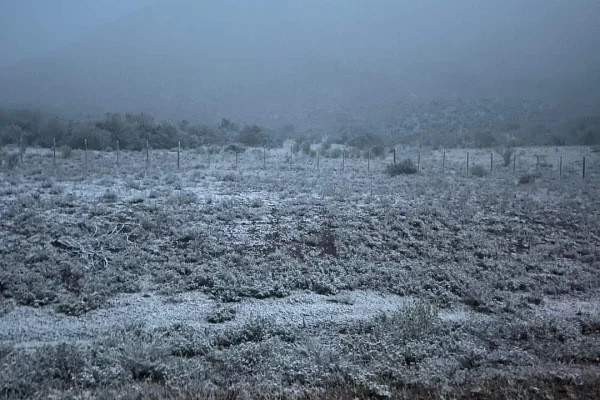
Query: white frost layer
{"type": "Point", "coordinates": [30, 326]}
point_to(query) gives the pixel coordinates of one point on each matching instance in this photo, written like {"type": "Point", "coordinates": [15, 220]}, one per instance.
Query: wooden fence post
{"type": "Point", "coordinates": [318, 157]}
{"type": "Point", "coordinates": [537, 164]}
{"type": "Point", "coordinates": [583, 169]}
{"type": "Point", "coordinates": [147, 153]}
{"type": "Point", "coordinates": [394, 154]}
{"type": "Point", "coordinates": [467, 163]}
{"type": "Point", "coordinates": [236, 158]}
{"type": "Point", "coordinates": [444, 161]}
{"type": "Point", "coordinates": [117, 153]}
{"type": "Point", "coordinates": [86, 147]}
{"type": "Point", "coordinates": [514, 164]}
{"type": "Point", "coordinates": [369, 160]}
{"type": "Point", "coordinates": [54, 151]}
{"type": "Point", "coordinates": [178, 154]}
{"type": "Point", "coordinates": [560, 167]}
{"type": "Point", "coordinates": [419, 161]}
{"type": "Point", "coordinates": [265, 157]}
{"type": "Point", "coordinates": [21, 149]}
{"type": "Point", "coordinates": [343, 159]}
{"type": "Point", "coordinates": [491, 162]}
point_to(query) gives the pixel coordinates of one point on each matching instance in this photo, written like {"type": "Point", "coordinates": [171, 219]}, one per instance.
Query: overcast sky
{"type": "Point", "coordinates": [253, 59]}
{"type": "Point", "coordinates": [34, 27]}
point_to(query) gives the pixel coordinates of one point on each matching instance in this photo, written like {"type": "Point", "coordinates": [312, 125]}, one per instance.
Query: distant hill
{"type": "Point", "coordinates": [274, 62]}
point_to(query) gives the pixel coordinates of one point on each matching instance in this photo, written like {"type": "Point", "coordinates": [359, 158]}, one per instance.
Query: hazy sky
{"type": "Point", "coordinates": [253, 59]}
{"type": "Point", "coordinates": [33, 27]}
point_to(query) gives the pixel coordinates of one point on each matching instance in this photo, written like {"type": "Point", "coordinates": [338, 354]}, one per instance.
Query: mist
{"type": "Point", "coordinates": [308, 62]}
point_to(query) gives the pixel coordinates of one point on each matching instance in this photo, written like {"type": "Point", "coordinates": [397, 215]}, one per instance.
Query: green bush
{"type": "Point", "coordinates": [405, 167]}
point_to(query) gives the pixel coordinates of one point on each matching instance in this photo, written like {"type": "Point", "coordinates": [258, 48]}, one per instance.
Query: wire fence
{"type": "Point", "coordinates": [451, 161]}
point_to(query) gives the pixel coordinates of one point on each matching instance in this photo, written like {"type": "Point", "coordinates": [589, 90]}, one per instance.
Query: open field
{"type": "Point", "coordinates": [337, 281]}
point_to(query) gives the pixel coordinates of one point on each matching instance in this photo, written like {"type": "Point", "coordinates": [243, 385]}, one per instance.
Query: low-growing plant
{"type": "Point", "coordinates": [507, 155]}
{"type": "Point", "coordinates": [186, 198]}
{"type": "Point", "coordinates": [65, 151]}
{"type": "Point", "coordinates": [220, 315]}
{"type": "Point", "coordinates": [527, 179]}
{"type": "Point", "coordinates": [405, 167]}
{"type": "Point", "coordinates": [335, 153]}
{"type": "Point", "coordinates": [478, 171]}
{"type": "Point", "coordinates": [109, 197]}
{"type": "Point", "coordinates": [13, 161]}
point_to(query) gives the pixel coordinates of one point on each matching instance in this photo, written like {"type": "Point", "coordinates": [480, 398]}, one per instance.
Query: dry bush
{"type": "Point", "coordinates": [478, 171]}
{"type": "Point", "coordinates": [527, 179]}
{"type": "Point", "coordinates": [65, 151]}
{"type": "Point", "coordinates": [12, 161]}
{"type": "Point", "coordinates": [405, 167]}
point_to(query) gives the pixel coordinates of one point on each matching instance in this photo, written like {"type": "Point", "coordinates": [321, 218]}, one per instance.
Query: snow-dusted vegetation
{"type": "Point", "coordinates": [276, 276]}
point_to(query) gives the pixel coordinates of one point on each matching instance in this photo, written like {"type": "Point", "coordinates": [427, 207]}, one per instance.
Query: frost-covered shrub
{"type": "Point", "coordinates": [405, 167]}
{"type": "Point", "coordinates": [478, 171]}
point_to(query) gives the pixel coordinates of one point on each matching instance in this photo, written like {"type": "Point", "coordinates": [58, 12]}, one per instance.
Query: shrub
{"type": "Point", "coordinates": [335, 153]}
{"type": "Point", "coordinates": [235, 148]}
{"type": "Point", "coordinates": [478, 171]}
{"type": "Point", "coordinates": [527, 179]}
{"type": "Point", "coordinates": [221, 315]}
{"type": "Point", "coordinates": [406, 167]}
{"type": "Point", "coordinates": [378, 151]}
{"type": "Point", "coordinates": [252, 136]}
{"type": "Point", "coordinates": [65, 151]}
{"type": "Point", "coordinates": [12, 161]}
{"type": "Point", "coordinates": [507, 155]}
{"type": "Point", "coordinates": [484, 139]}
{"type": "Point", "coordinates": [305, 148]}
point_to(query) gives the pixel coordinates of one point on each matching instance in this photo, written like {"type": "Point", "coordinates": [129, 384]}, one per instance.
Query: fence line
{"type": "Point", "coordinates": [314, 162]}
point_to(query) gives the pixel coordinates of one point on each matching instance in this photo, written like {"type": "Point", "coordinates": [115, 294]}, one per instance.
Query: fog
{"type": "Point", "coordinates": [305, 62]}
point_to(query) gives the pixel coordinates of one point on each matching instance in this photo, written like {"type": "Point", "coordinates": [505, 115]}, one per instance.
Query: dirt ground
{"type": "Point", "coordinates": [300, 277]}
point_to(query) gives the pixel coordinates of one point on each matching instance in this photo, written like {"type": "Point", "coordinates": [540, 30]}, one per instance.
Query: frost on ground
{"type": "Point", "coordinates": [294, 279]}
{"type": "Point", "coordinates": [26, 326]}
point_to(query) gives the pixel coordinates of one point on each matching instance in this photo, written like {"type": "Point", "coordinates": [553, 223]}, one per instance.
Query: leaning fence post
{"type": "Point", "coordinates": [178, 154]}
{"type": "Point", "coordinates": [54, 151]}
{"type": "Point", "coordinates": [583, 169]}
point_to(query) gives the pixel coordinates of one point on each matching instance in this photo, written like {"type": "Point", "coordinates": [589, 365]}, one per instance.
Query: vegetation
{"type": "Point", "coordinates": [438, 124]}
{"type": "Point", "coordinates": [478, 171]}
{"type": "Point", "coordinates": [379, 288]}
{"type": "Point", "coordinates": [405, 167]}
